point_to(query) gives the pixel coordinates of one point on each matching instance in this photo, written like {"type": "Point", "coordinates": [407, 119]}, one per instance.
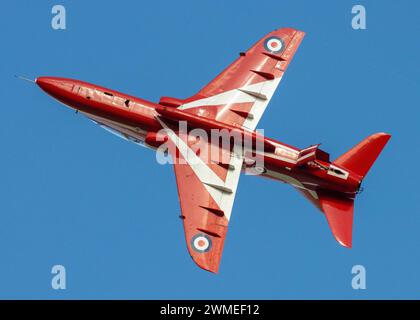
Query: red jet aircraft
{"type": "Point", "coordinates": [234, 101]}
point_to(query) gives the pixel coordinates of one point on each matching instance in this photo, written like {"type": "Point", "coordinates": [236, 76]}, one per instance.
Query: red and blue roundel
{"type": "Point", "coordinates": [274, 44]}
{"type": "Point", "coordinates": [201, 243]}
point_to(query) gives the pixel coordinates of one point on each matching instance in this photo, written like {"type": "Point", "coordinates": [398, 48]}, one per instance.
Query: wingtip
{"type": "Point", "coordinates": [212, 268]}
{"type": "Point", "coordinates": [381, 134]}
{"type": "Point", "coordinates": [386, 135]}
{"type": "Point", "coordinates": [298, 33]}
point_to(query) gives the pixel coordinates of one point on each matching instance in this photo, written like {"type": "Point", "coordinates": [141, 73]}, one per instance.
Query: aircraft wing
{"type": "Point", "coordinates": [241, 93]}
{"type": "Point", "coordinates": [206, 191]}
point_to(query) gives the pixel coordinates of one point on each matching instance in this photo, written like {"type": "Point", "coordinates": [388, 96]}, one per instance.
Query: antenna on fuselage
{"type": "Point", "coordinates": [25, 78]}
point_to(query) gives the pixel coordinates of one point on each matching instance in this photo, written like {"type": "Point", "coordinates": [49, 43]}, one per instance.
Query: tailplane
{"type": "Point", "coordinates": [339, 208]}
{"type": "Point", "coordinates": [361, 157]}
{"type": "Point", "coordinates": [339, 213]}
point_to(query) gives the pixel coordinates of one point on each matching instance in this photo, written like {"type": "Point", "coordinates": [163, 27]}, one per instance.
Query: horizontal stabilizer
{"type": "Point", "coordinates": [361, 157]}
{"type": "Point", "coordinates": [339, 213]}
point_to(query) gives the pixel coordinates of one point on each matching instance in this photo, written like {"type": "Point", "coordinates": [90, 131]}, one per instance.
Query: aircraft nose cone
{"type": "Point", "coordinates": [54, 86]}
{"type": "Point", "coordinates": [48, 84]}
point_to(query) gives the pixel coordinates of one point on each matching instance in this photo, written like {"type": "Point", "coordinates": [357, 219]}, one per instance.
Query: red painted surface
{"type": "Point", "coordinates": [330, 186]}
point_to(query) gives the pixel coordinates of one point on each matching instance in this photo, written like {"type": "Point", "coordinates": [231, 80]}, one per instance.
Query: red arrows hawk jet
{"type": "Point", "coordinates": [233, 103]}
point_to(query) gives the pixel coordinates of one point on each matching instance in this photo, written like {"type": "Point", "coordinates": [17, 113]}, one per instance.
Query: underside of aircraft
{"type": "Point", "coordinates": [234, 103]}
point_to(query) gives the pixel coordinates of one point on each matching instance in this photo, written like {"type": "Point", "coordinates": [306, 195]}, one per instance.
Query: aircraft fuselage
{"type": "Point", "coordinates": [135, 118]}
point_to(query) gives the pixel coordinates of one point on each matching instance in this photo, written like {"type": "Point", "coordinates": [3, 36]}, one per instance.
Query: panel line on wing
{"type": "Point", "coordinates": [202, 171]}
{"type": "Point", "coordinates": [222, 192]}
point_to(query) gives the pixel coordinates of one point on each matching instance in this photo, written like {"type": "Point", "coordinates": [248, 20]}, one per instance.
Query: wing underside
{"type": "Point", "coordinates": [240, 94]}
{"type": "Point", "coordinates": [206, 188]}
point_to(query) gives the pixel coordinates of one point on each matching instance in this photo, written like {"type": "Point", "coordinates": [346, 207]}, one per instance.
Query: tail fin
{"type": "Point", "coordinates": [361, 157]}
{"type": "Point", "coordinates": [338, 208]}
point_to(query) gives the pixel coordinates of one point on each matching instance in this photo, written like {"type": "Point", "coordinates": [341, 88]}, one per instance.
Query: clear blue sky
{"type": "Point", "coordinates": [72, 194]}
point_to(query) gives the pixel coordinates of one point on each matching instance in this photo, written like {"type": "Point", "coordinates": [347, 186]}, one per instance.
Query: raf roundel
{"type": "Point", "coordinates": [201, 243]}
{"type": "Point", "coordinates": [274, 45]}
